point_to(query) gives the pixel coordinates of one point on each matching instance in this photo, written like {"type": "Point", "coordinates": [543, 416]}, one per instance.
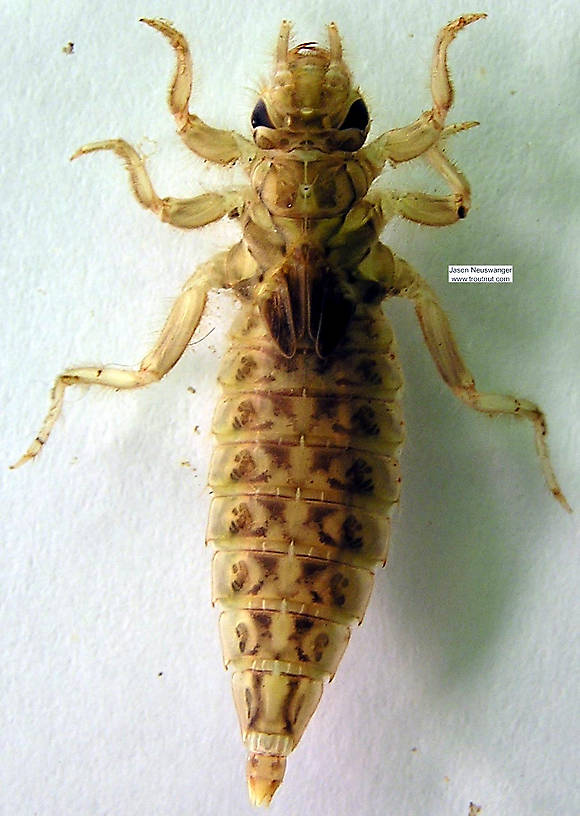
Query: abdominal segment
{"type": "Point", "coordinates": [304, 474]}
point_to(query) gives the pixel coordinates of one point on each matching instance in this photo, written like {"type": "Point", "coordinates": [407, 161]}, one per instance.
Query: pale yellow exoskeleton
{"type": "Point", "coordinates": [309, 426]}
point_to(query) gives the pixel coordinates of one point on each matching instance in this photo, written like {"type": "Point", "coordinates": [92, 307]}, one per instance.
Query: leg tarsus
{"type": "Point", "coordinates": [459, 127]}
{"type": "Point", "coordinates": [441, 87]}
{"type": "Point", "coordinates": [180, 88]}
{"type": "Point", "coordinates": [135, 165]}
{"type": "Point", "coordinates": [447, 357]}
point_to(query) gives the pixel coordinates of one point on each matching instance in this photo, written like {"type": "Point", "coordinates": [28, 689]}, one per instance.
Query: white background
{"type": "Point", "coordinates": [461, 685]}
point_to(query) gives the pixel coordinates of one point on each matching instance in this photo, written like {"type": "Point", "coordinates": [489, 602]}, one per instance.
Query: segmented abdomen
{"type": "Point", "coordinates": [304, 474]}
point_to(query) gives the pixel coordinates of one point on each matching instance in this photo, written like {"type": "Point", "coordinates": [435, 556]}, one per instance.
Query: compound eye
{"type": "Point", "coordinates": [357, 116]}
{"type": "Point", "coordinates": [260, 117]}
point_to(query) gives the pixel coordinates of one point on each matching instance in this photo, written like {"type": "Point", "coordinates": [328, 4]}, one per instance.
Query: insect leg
{"type": "Point", "coordinates": [185, 213]}
{"type": "Point", "coordinates": [447, 357]}
{"type": "Point", "coordinates": [220, 146]}
{"type": "Point", "coordinates": [403, 144]}
{"type": "Point", "coordinates": [436, 211]}
{"type": "Point", "coordinates": [179, 327]}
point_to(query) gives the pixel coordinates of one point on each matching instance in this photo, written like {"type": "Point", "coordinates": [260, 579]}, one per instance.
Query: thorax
{"type": "Point", "coordinates": [307, 184]}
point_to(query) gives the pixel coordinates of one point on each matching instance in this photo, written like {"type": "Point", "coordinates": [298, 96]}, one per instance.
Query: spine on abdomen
{"type": "Point", "coordinates": [304, 474]}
